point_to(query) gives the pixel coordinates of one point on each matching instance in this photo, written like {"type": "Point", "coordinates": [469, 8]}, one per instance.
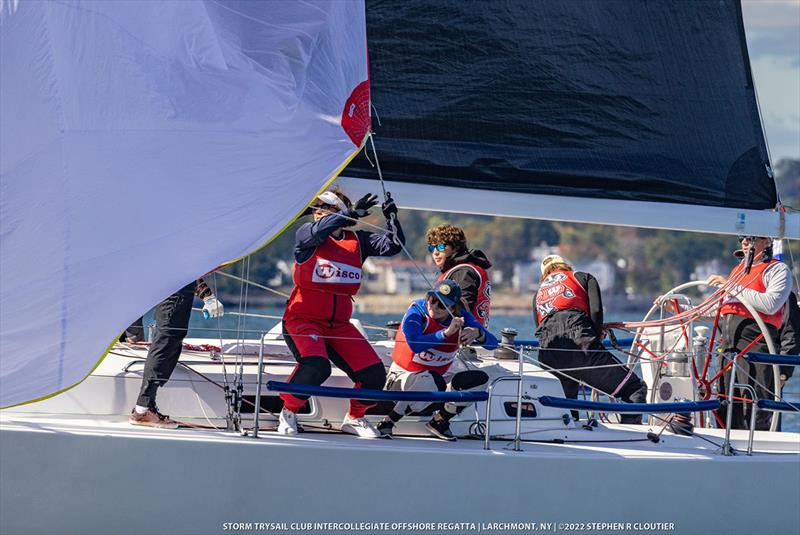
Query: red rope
{"type": "Point", "coordinates": [711, 342]}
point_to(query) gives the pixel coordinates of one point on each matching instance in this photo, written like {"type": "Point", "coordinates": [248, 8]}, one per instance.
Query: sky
{"type": "Point", "coordinates": [773, 41]}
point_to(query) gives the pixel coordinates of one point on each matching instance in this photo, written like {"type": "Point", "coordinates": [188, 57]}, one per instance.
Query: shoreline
{"type": "Point", "coordinates": [507, 303]}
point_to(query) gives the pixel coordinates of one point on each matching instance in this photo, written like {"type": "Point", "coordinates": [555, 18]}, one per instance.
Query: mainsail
{"type": "Point", "coordinates": [145, 143]}
{"type": "Point", "coordinates": [611, 111]}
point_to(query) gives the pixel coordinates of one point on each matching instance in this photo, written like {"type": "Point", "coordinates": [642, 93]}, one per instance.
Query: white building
{"type": "Point", "coordinates": [398, 276]}
{"type": "Point", "coordinates": [527, 274]}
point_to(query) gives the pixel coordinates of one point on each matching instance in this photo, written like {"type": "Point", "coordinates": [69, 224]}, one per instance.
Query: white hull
{"type": "Point", "coordinates": [74, 464]}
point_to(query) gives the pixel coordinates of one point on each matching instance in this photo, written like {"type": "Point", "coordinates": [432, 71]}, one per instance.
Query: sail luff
{"type": "Point", "coordinates": [179, 135]}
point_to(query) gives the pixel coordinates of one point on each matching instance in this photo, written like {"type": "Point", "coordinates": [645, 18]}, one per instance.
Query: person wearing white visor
{"type": "Point", "coordinates": [316, 324]}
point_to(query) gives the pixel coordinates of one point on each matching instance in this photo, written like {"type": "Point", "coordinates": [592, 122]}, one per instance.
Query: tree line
{"type": "Point", "coordinates": [648, 261]}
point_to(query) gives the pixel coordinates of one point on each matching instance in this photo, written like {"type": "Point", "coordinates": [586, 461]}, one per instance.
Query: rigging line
{"type": "Point", "coordinates": [272, 317]}
{"type": "Point", "coordinates": [560, 372]}
{"type": "Point", "coordinates": [402, 246]}
{"type": "Point", "coordinates": [694, 435]}
{"type": "Point", "coordinates": [766, 140]}
{"type": "Point", "coordinates": [219, 330]}
{"type": "Point", "coordinates": [696, 312]}
{"type": "Point", "coordinates": [200, 404]}
{"type": "Point", "coordinates": [377, 164]}
{"type": "Point", "coordinates": [257, 285]}
{"type": "Point", "coordinates": [792, 271]}
{"type": "Point", "coordinates": [767, 390]}
{"type": "Point", "coordinates": [244, 318]}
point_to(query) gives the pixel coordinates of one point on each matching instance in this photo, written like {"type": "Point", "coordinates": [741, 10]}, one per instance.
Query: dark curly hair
{"type": "Point", "coordinates": [448, 235]}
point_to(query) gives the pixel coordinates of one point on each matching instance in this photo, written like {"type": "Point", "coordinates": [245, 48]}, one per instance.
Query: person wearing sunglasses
{"type": "Point", "coordinates": [568, 311]}
{"type": "Point", "coordinates": [425, 349]}
{"type": "Point", "coordinates": [767, 288]}
{"type": "Point", "coordinates": [316, 324]}
{"type": "Point", "coordinates": [448, 247]}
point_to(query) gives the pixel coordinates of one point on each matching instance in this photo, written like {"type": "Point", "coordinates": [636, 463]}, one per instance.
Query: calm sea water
{"type": "Point", "coordinates": [250, 327]}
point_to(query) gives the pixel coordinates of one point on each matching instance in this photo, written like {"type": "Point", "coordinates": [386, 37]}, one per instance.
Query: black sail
{"type": "Point", "coordinates": [619, 99]}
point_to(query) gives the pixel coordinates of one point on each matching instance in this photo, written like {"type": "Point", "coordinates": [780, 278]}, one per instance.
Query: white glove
{"type": "Point", "coordinates": [212, 307]}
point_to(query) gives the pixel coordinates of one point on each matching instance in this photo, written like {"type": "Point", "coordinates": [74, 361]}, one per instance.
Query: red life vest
{"type": "Point", "coordinates": [437, 358]}
{"type": "Point", "coordinates": [753, 281]}
{"type": "Point", "coordinates": [483, 302]}
{"type": "Point", "coordinates": [324, 284]}
{"type": "Point", "coordinates": [560, 291]}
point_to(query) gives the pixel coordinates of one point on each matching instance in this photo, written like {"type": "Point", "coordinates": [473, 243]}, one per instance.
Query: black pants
{"type": "Point", "coordinates": [134, 333]}
{"type": "Point", "coordinates": [560, 351]}
{"type": "Point", "coordinates": [737, 333]}
{"type": "Point", "coordinates": [172, 322]}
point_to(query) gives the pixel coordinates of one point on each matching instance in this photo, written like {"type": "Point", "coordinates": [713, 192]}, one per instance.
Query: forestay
{"type": "Point", "coordinates": [145, 143]}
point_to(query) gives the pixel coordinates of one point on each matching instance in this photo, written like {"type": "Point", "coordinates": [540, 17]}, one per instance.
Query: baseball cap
{"type": "Point", "coordinates": [448, 292]}
{"type": "Point", "coordinates": [552, 259]}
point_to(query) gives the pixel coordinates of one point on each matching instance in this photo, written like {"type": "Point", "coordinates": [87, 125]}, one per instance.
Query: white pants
{"type": "Point", "coordinates": [428, 381]}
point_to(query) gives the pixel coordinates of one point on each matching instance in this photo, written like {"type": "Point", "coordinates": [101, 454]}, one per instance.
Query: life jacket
{"type": "Point", "coordinates": [326, 281]}
{"type": "Point", "coordinates": [560, 291]}
{"type": "Point", "coordinates": [437, 358]}
{"type": "Point", "coordinates": [483, 302]}
{"type": "Point", "coordinates": [753, 281]}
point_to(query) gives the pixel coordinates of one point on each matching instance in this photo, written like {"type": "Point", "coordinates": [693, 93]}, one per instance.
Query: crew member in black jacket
{"type": "Point", "coordinates": [467, 268]}
{"type": "Point", "coordinates": [568, 310]}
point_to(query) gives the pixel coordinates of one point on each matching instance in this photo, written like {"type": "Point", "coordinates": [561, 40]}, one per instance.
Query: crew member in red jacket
{"type": "Point", "coordinates": [767, 288]}
{"type": "Point", "coordinates": [316, 325]}
{"type": "Point", "coordinates": [569, 314]}
{"type": "Point", "coordinates": [448, 247]}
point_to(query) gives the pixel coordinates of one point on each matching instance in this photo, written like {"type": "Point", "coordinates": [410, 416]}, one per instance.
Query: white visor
{"type": "Point", "coordinates": [329, 197]}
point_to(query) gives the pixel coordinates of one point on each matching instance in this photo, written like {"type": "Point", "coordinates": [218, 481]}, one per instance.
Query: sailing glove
{"type": "Point", "coordinates": [361, 209]}
{"type": "Point", "coordinates": [212, 308]}
{"type": "Point", "coordinates": [389, 207]}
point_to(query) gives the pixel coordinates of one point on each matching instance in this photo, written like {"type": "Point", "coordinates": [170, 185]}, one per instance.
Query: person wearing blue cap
{"type": "Point", "coordinates": [426, 345]}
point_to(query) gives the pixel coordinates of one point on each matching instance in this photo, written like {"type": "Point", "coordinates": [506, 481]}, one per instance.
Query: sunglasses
{"type": "Point", "coordinates": [438, 247]}
{"type": "Point", "coordinates": [435, 303]}
{"type": "Point", "coordinates": [326, 207]}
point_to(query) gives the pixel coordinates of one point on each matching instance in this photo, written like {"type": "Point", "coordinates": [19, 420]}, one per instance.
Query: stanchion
{"type": "Point", "coordinates": [260, 371]}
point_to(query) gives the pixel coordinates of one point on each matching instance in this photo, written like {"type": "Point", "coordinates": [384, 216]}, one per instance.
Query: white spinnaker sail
{"type": "Point", "coordinates": [145, 143]}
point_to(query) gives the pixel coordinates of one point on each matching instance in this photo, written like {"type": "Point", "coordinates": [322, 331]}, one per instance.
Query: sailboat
{"type": "Point", "coordinates": [559, 112]}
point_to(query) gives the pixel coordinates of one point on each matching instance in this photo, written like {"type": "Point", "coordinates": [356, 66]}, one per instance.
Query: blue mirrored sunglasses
{"type": "Point", "coordinates": [438, 247]}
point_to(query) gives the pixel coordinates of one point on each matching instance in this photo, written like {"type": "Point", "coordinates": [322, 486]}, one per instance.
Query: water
{"type": "Point", "coordinates": [251, 327]}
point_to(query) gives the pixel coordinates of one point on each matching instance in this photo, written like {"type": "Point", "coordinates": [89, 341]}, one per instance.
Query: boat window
{"type": "Point", "coordinates": [528, 410]}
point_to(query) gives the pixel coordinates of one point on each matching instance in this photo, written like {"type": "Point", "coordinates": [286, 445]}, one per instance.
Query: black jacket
{"type": "Point", "coordinates": [467, 278]}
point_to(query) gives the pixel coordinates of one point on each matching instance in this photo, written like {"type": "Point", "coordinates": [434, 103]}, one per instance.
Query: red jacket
{"type": "Point", "coordinates": [326, 281]}
{"type": "Point", "coordinates": [560, 291]}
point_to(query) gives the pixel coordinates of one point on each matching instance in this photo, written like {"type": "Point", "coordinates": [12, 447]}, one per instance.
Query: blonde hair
{"type": "Point", "coordinates": [555, 266]}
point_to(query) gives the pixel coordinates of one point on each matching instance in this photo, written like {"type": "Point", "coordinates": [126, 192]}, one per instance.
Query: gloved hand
{"type": "Point", "coordinates": [389, 207]}
{"type": "Point", "coordinates": [362, 206]}
{"type": "Point", "coordinates": [212, 307]}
